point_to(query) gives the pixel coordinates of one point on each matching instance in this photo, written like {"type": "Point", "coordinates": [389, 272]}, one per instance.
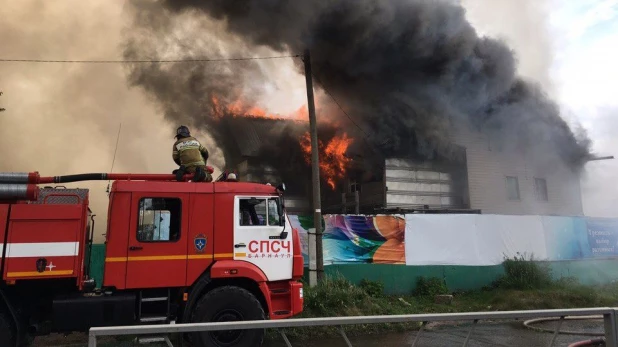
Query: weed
{"type": "Point", "coordinates": [372, 288]}
{"type": "Point", "coordinates": [522, 273]}
{"type": "Point", "coordinates": [430, 287]}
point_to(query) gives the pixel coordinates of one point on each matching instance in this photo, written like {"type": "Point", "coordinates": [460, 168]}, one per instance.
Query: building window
{"type": "Point", "coordinates": [259, 212]}
{"type": "Point", "coordinates": [512, 188]}
{"type": "Point", "coordinates": [355, 187]}
{"type": "Point", "coordinates": [540, 188]}
{"type": "Point", "coordinates": [159, 220]}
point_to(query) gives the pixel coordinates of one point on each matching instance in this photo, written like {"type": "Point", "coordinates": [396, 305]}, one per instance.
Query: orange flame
{"type": "Point", "coordinates": [239, 108]}
{"type": "Point", "coordinates": [333, 161]}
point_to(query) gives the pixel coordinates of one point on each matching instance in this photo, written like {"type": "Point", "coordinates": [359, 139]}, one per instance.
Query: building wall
{"type": "Point", "coordinates": [488, 167]}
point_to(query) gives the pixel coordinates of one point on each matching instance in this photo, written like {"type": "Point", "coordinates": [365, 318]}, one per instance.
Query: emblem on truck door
{"type": "Point", "coordinates": [200, 243]}
{"type": "Point", "coordinates": [41, 264]}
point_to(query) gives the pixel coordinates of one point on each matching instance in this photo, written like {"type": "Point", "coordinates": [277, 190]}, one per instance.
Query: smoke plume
{"type": "Point", "coordinates": [64, 118]}
{"type": "Point", "coordinates": [403, 70]}
{"type": "Point", "coordinates": [523, 26]}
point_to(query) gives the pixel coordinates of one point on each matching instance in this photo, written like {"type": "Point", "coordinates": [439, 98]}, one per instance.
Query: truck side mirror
{"type": "Point", "coordinates": [281, 187]}
{"type": "Point", "coordinates": [281, 214]}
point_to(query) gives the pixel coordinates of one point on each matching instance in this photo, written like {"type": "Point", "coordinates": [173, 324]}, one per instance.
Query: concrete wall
{"type": "Point", "coordinates": [488, 167]}
{"type": "Point", "coordinates": [400, 279]}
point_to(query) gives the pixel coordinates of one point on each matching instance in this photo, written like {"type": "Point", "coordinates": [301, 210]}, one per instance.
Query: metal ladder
{"type": "Point", "coordinates": [153, 319]}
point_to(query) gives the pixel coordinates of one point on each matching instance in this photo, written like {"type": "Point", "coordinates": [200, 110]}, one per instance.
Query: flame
{"type": "Point", "coordinates": [333, 161]}
{"type": "Point", "coordinates": [240, 108]}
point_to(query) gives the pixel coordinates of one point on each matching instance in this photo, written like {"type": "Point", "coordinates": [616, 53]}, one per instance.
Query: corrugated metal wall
{"type": "Point", "coordinates": [414, 185]}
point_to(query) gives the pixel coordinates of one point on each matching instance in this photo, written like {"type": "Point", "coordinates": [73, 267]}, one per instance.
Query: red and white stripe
{"type": "Point", "coordinates": [41, 249]}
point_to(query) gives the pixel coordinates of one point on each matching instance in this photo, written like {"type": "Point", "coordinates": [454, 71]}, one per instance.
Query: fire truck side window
{"type": "Point", "coordinates": [159, 220]}
{"type": "Point", "coordinates": [252, 212]}
{"type": "Point", "coordinates": [273, 212]}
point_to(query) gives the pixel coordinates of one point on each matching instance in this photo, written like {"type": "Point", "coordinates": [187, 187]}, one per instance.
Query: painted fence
{"type": "Point", "coordinates": [467, 251]}
{"type": "Point", "coordinates": [470, 240]}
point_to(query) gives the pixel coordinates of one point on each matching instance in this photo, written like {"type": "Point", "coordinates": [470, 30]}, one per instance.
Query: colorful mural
{"type": "Point", "coordinates": [356, 238]}
{"type": "Point", "coordinates": [458, 239]}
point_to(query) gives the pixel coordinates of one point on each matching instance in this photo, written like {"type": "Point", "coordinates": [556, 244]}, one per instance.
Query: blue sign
{"type": "Point", "coordinates": [200, 242]}
{"type": "Point", "coordinates": [603, 236]}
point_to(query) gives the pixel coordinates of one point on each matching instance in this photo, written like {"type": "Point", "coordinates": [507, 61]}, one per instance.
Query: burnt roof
{"type": "Point", "coordinates": [249, 135]}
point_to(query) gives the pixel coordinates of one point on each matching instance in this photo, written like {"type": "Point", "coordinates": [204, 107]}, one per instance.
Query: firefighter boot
{"type": "Point", "coordinates": [180, 173]}
{"type": "Point", "coordinates": [200, 174]}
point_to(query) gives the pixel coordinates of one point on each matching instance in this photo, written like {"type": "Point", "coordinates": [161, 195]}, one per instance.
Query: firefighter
{"type": "Point", "coordinates": [190, 155]}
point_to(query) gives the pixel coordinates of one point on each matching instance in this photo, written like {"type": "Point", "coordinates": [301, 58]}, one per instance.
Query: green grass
{"type": "Point", "coordinates": [526, 285]}
{"type": "Point", "coordinates": [336, 296]}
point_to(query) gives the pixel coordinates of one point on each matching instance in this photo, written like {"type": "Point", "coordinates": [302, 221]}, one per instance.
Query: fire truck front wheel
{"type": "Point", "coordinates": [225, 304]}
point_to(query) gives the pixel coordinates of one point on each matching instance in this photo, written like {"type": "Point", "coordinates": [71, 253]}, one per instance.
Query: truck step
{"type": "Point", "coordinates": [162, 298]}
{"type": "Point", "coordinates": [153, 319]}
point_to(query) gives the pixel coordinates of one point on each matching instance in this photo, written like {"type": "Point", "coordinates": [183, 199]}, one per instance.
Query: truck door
{"type": "Point", "coordinates": [157, 255]}
{"type": "Point", "coordinates": [256, 236]}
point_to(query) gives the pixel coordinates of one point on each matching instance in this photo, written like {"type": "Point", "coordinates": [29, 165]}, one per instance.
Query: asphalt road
{"type": "Point", "coordinates": [496, 334]}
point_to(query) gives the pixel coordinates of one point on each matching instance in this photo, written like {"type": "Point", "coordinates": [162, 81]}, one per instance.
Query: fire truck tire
{"type": "Point", "coordinates": [228, 303]}
{"type": "Point", "coordinates": [7, 330]}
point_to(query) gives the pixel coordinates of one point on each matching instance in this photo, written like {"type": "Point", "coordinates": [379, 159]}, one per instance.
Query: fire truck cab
{"type": "Point", "coordinates": [178, 252]}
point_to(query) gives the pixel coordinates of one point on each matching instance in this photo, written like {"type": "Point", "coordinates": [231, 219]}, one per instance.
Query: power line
{"type": "Point", "coordinates": [203, 60]}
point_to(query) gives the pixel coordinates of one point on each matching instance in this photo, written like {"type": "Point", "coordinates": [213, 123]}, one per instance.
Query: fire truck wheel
{"type": "Point", "coordinates": [224, 304]}
{"type": "Point", "coordinates": [7, 331]}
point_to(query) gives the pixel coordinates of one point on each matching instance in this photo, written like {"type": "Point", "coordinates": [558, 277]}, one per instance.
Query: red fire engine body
{"type": "Point", "coordinates": [175, 251]}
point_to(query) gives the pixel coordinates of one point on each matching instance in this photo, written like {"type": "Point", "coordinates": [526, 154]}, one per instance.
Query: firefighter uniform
{"type": "Point", "coordinates": [189, 153]}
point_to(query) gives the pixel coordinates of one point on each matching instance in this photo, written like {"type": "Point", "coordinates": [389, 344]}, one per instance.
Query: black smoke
{"type": "Point", "coordinates": [405, 70]}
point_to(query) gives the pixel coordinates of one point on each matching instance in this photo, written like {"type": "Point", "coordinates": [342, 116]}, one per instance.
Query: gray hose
{"type": "Point", "coordinates": [591, 342]}
{"type": "Point", "coordinates": [566, 332]}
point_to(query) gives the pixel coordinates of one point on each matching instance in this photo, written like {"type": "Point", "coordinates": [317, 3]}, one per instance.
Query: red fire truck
{"type": "Point", "coordinates": [176, 251]}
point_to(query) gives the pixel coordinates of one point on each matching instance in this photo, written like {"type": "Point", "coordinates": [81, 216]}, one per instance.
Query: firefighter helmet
{"type": "Point", "coordinates": [182, 131]}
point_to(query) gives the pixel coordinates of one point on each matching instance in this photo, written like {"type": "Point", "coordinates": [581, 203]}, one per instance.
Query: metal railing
{"type": "Point", "coordinates": [609, 318]}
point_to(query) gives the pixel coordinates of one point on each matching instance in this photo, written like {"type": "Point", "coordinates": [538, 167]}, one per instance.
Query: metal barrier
{"type": "Point", "coordinates": [609, 319]}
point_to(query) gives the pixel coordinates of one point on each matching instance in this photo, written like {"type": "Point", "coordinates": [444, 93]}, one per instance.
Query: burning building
{"type": "Point", "coordinates": [357, 178]}
{"type": "Point", "coordinates": [437, 116]}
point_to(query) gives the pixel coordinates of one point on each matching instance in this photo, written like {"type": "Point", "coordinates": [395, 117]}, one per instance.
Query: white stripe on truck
{"type": "Point", "coordinates": [41, 249]}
